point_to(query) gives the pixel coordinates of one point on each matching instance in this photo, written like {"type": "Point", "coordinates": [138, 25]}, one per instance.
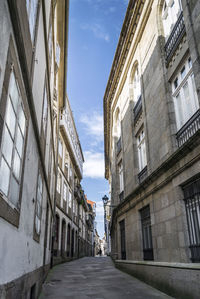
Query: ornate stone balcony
{"type": "Point", "coordinates": [175, 38]}
{"type": "Point", "coordinates": [189, 129]}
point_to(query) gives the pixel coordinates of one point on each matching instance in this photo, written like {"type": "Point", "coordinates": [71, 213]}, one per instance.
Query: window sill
{"type": "Point", "coordinates": [9, 213]}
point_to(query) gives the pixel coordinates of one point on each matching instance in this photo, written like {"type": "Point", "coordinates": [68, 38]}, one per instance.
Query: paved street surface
{"type": "Point", "coordinates": [95, 277]}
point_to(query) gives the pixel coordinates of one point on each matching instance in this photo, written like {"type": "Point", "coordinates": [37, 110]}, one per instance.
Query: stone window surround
{"type": "Point", "coordinates": [176, 91]}
{"type": "Point", "coordinates": [7, 212]}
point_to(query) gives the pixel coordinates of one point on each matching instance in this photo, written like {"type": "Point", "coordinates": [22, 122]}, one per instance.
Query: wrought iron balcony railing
{"type": "Point", "coordinates": [137, 110]}
{"type": "Point", "coordinates": [119, 145]}
{"type": "Point", "coordinates": [189, 129]}
{"type": "Point", "coordinates": [175, 37]}
{"type": "Point", "coordinates": [142, 175]}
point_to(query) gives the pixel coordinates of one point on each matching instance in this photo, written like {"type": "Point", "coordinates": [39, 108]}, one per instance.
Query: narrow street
{"type": "Point", "coordinates": [94, 277]}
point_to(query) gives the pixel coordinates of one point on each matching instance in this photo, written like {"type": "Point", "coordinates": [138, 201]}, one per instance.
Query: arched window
{"type": "Point", "coordinates": [68, 239]}
{"type": "Point", "coordinates": [117, 124]}
{"type": "Point", "coordinates": [170, 13]}
{"type": "Point", "coordinates": [56, 243]}
{"type": "Point", "coordinates": [57, 228]}
{"type": "Point", "coordinates": [136, 85]}
{"type": "Point", "coordinates": [63, 237]}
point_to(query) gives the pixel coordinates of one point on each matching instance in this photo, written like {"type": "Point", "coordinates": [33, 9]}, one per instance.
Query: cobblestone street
{"type": "Point", "coordinates": [94, 278]}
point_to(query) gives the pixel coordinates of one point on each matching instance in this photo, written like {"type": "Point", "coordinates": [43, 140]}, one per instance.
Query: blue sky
{"type": "Point", "coordinates": [94, 29]}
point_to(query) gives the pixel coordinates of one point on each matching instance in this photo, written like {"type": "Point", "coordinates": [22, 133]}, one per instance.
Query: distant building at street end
{"type": "Point", "coordinates": [90, 220]}
{"type": "Point", "coordinates": [97, 242]}
{"type": "Point", "coordinates": [152, 145]}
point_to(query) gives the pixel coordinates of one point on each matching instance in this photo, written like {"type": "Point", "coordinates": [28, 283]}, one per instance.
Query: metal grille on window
{"type": "Point", "coordinates": [123, 239]}
{"type": "Point", "coordinates": [146, 233]}
{"type": "Point", "coordinates": [192, 204]}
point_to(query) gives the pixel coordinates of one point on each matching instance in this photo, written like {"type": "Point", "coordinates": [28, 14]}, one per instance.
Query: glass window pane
{"type": "Point", "coordinates": [179, 111]}
{"type": "Point", "coordinates": [14, 94]}
{"type": "Point", "coordinates": [19, 142]}
{"type": "Point", "coordinates": [38, 209]}
{"type": "Point", "coordinates": [40, 183]}
{"type": "Point", "coordinates": [22, 120]}
{"type": "Point", "coordinates": [4, 177]}
{"type": "Point", "coordinates": [194, 97]}
{"type": "Point", "coordinates": [7, 146]}
{"type": "Point", "coordinates": [16, 166]}
{"type": "Point", "coordinates": [37, 225]}
{"type": "Point", "coordinates": [39, 195]}
{"type": "Point", "coordinates": [14, 191]}
{"type": "Point", "coordinates": [10, 118]}
{"type": "Point", "coordinates": [187, 103]}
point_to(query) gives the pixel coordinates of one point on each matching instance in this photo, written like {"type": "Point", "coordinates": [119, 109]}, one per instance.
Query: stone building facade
{"type": "Point", "coordinates": [152, 145]}
{"type": "Point", "coordinates": [69, 175]}
{"type": "Point", "coordinates": [33, 60]}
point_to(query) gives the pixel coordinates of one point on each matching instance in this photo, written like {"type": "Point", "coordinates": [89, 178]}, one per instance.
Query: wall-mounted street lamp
{"type": "Point", "coordinates": [105, 199]}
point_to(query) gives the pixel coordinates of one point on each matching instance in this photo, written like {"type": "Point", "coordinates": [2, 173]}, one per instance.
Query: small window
{"type": "Point", "coordinates": [146, 233]}
{"type": "Point", "coordinates": [189, 62]}
{"type": "Point", "coordinates": [183, 73]}
{"type": "Point", "coordinates": [175, 83]}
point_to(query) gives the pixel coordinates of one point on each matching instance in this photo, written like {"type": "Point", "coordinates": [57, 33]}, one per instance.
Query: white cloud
{"type": "Point", "coordinates": [99, 209]}
{"type": "Point", "coordinates": [97, 30]}
{"type": "Point", "coordinates": [94, 165]}
{"type": "Point", "coordinates": [93, 125]}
